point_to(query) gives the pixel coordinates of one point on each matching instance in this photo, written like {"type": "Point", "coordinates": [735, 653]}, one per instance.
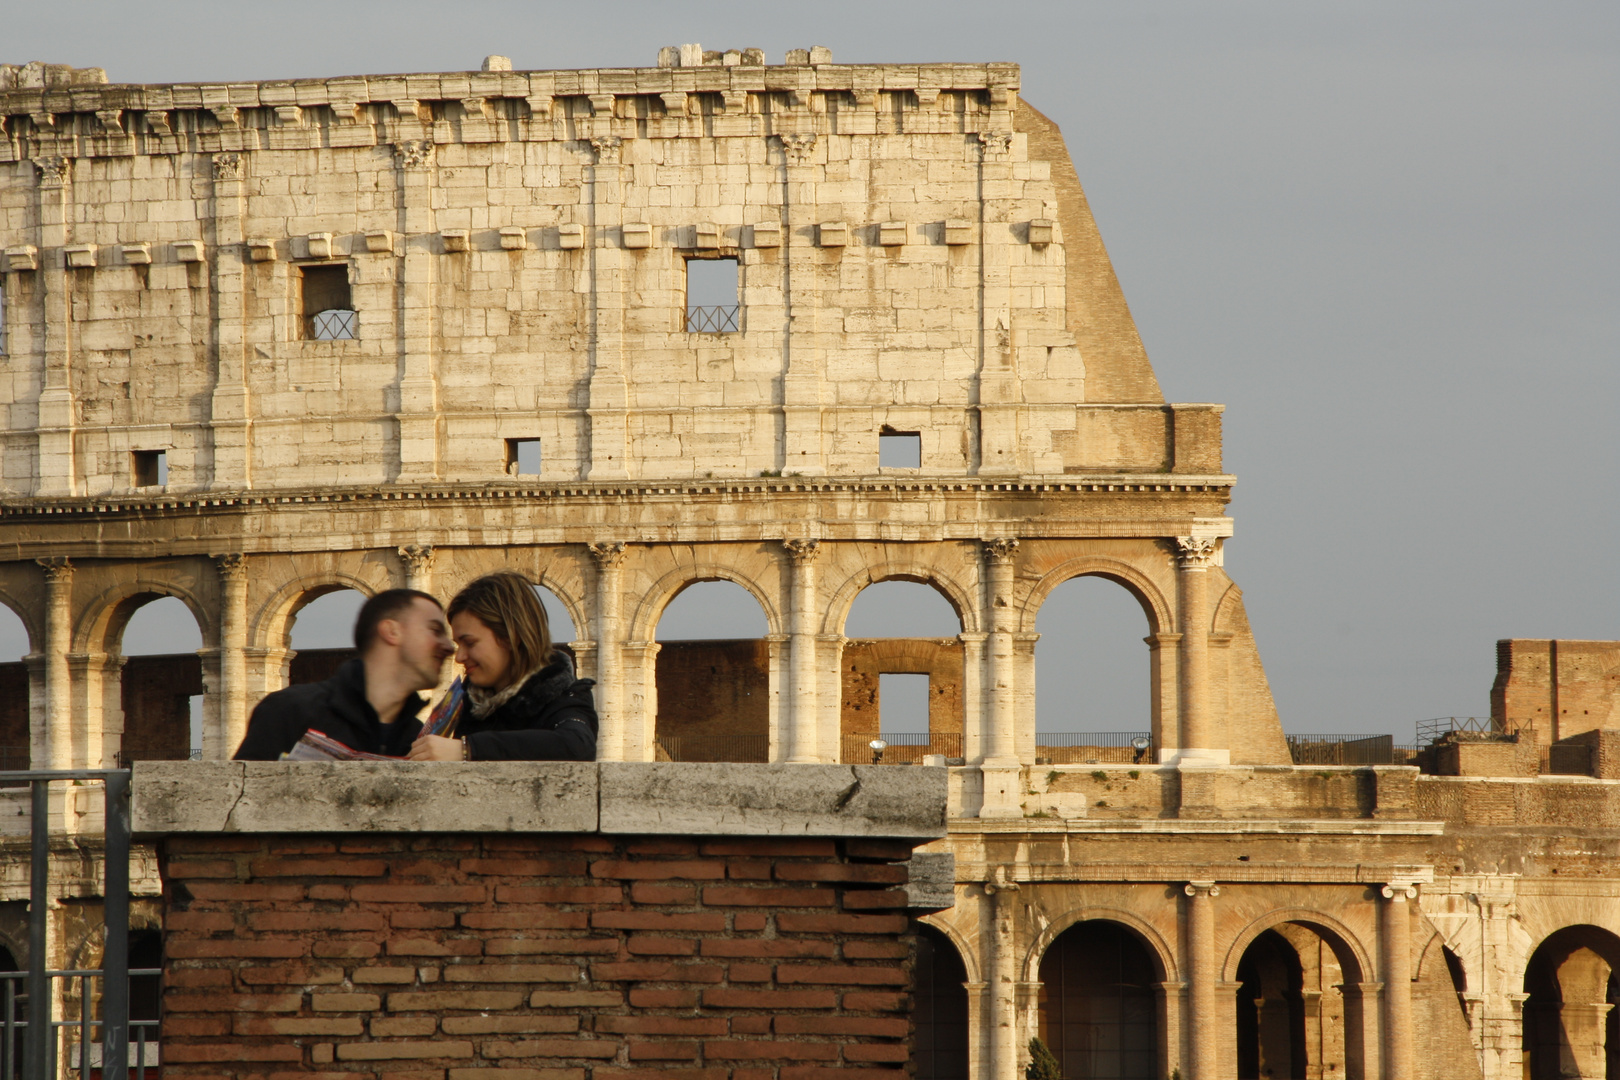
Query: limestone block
{"type": "Point", "coordinates": [80, 256]}
{"type": "Point", "coordinates": [262, 250]}
{"type": "Point", "coordinates": [380, 241]}
{"type": "Point", "coordinates": [892, 233]}
{"type": "Point", "coordinates": [454, 239]}
{"type": "Point", "coordinates": [22, 257]}
{"type": "Point", "coordinates": [514, 238]}
{"type": "Point", "coordinates": [571, 237]}
{"type": "Point", "coordinates": [958, 232]}
{"type": "Point", "coordinates": [319, 245]}
{"type": "Point", "coordinates": [637, 235]}
{"type": "Point", "coordinates": [1041, 232]}
{"type": "Point", "coordinates": [188, 251]}
{"type": "Point", "coordinates": [706, 236]}
{"type": "Point", "coordinates": [832, 234]}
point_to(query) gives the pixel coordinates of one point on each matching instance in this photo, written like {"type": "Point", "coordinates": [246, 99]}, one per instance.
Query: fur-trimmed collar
{"type": "Point", "coordinates": [539, 687]}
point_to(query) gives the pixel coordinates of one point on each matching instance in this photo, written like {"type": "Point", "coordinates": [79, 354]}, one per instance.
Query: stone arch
{"type": "Point", "coordinates": [1158, 948]}
{"type": "Point", "coordinates": [842, 598]}
{"type": "Point", "coordinates": [575, 606]}
{"type": "Point", "coordinates": [268, 624]}
{"type": "Point", "coordinates": [643, 622]}
{"type": "Point", "coordinates": [970, 959]}
{"type": "Point", "coordinates": [1155, 605]}
{"type": "Point", "coordinates": [1570, 983]}
{"type": "Point", "coordinates": [101, 626]}
{"type": "Point", "coordinates": [28, 615]}
{"type": "Point", "coordinates": [1433, 952]}
{"type": "Point", "coordinates": [1352, 954]}
{"type": "Point", "coordinates": [1225, 608]}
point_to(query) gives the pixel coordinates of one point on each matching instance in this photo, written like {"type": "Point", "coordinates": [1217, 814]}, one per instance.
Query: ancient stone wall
{"type": "Point", "coordinates": [1557, 688]}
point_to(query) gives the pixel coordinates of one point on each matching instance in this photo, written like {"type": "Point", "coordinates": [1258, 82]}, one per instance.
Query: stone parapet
{"type": "Point", "coordinates": [610, 798]}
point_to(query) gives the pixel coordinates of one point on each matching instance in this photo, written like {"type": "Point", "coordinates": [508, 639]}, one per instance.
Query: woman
{"type": "Point", "coordinates": [523, 701]}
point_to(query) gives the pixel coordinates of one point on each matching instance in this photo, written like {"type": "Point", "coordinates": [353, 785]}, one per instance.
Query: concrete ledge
{"type": "Point", "coordinates": [773, 800]}
{"type": "Point", "coordinates": [574, 797]}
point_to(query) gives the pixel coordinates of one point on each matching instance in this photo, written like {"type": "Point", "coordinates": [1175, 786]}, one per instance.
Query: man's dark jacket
{"type": "Point", "coordinates": [337, 708]}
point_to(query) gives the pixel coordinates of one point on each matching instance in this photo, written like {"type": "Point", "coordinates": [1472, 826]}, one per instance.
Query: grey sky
{"type": "Point", "coordinates": [1386, 235]}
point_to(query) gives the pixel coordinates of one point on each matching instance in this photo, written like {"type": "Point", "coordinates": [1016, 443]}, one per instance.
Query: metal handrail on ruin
{"type": "Point", "coordinates": [712, 319]}
{"type": "Point", "coordinates": [1353, 749]}
{"type": "Point", "coordinates": [1094, 748]}
{"type": "Point", "coordinates": [1485, 727]}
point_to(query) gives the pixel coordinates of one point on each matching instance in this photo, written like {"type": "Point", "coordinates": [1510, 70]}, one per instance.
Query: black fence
{"type": "Point", "coordinates": [1484, 727]}
{"type": "Point", "coordinates": [901, 748]}
{"type": "Point", "coordinates": [1350, 750]}
{"type": "Point", "coordinates": [1095, 748]}
{"type": "Point", "coordinates": [753, 749]}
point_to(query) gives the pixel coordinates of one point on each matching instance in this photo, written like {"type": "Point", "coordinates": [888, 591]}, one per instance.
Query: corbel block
{"type": "Point", "coordinates": [638, 235]}
{"type": "Point", "coordinates": [570, 237]}
{"type": "Point", "coordinates": [290, 115]}
{"type": "Point", "coordinates": [736, 101]}
{"type": "Point", "coordinates": [514, 238]}
{"type": "Point", "coordinates": [80, 256]}
{"type": "Point", "coordinates": [475, 108]}
{"type": "Point", "coordinates": [158, 121]}
{"type": "Point", "coordinates": [189, 251]}
{"type": "Point", "coordinates": [137, 254]}
{"type": "Point", "coordinates": [22, 257]}
{"type": "Point", "coordinates": [454, 239]}
{"type": "Point", "coordinates": [539, 106]}
{"type": "Point", "coordinates": [111, 121]}
{"type": "Point", "coordinates": [675, 103]}
{"type": "Point", "coordinates": [380, 242]}
{"type": "Point", "coordinates": [1040, 232]}
{"type": "Point", "coordinates": [262, 250]}
{"type": "Point", "coordinates": [958, 232]}
{"type": "Point", "coordinates": [601, 104]}
{"type": "Point", "coordinates": [830, 234]}
{"type": "Point", "coordinates": [229, 116]}
{"type": "Point", "coordinates": [345, 112]}
{"type": "Point", "coordinates": [320, 245]}
{"type": "Point", "coordinates": [412, 109]}
{"type": "Point", "coordinates": [892, 233]}
{"type": "Point", "coordinates": [767, 234]}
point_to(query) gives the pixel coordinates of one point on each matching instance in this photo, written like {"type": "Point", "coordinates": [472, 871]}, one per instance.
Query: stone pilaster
{"type": "Point", "coordinates": [1203, 976]}
{"type": "Point", "coordinates": [56, 462]}
{"type": "Point", "coordinates": [1199, 742]}
{"type": "Point", "coordinates": [1003, 1019]}
{"type": "Point", "coordinates": [609, 408]}
{"type": "Point", "coordinates": [418, 400]}
{"type": "Point", "coordinates": [803, 359]}
{"type": "Point", "coordinates": [800, 743]}
{"type": "Point", "coordinates": [231, 408]}
{"type": "Point", "coordinates": [233, 690]}
{"type": "Point", "coordinates": [1000, 768]}
{"type": "Point", "coordinates": [998, 385]}
{"type": "Point", "coordinates": [610, 746]}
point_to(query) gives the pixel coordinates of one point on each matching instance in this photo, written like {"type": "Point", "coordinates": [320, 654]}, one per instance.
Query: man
{"type": "Point", "coordinates": [372, 701]}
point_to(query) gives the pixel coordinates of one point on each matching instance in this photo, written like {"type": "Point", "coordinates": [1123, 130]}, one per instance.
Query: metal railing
{"type": "Point", "coordinates": [333, 325]}
{"type": "Point", "coordinates": [39, 1047]}
{"type": "Point", "coordinates": [733, 748]}
{"type": "Point", "coordinates": [85, 1052]}
{"type": "Point", "coordinates": [1095, 748]}
{"type": "Point", "coordinates": [712, 319]}
{"type": "Point", "coordinates": [900, 748]}
{"type": "Point", "coordinates": [1349, 750]}
{"type": "Point", "coordinates": [1485, 727]}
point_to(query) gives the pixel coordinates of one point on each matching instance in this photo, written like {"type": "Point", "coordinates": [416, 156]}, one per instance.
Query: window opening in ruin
{"type": "Point", "coordinates": [713, 676]}
{"type": "Point", "coordinates": [149, 468]}
{"type": "Point", "coordinates": [902, 703]}
{"type": "Point", "coordinates": [939, 1009]}
{"type": "Point", "coordinates": [713, 296]}
{"type": "Point", "coordinates": [1098, 1013]}
{"type": "Point", "coordinates": [13, 691]}
{"type": "Point", "coordinates": [160, 682]}
{"type": "Point", "coordinates": [1093, 678]}
{"type": "Point", "coordinates": [899, 449]}
{"type": "Point", "coordinates": [327, 310]}
{"type": "Point", "coordinates": [523, 457]}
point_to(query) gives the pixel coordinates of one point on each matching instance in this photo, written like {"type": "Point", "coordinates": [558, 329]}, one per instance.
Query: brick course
{"type": "Point", "coordinates": [541, 957]}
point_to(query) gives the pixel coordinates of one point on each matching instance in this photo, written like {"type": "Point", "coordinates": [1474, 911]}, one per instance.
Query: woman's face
{"type": "Point", "coordinates": [485, 658]}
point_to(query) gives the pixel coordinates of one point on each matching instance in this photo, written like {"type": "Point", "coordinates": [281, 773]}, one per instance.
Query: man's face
{"type": "Point", "coordinates": [424, 641]}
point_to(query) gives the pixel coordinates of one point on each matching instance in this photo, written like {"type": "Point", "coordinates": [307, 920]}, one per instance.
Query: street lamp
{"type": "Point", "coordinates": [878, 746]}
{"type": "Point", "coordinates": [1140, 744]}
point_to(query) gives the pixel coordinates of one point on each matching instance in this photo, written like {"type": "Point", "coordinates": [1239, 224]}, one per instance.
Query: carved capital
{"type": "Point", "coordinates": [1196, 552]}
{"type": "Point", "coordinates": [1201, 888]}
{"type": "Point", "coordinates": [414, 153]}
{"type": "Point", "coordinates": [607, 148]}
{"type": "Point", "coordinates": [232, 566]}
{"type": "Point", "coordinates": [999, 552]}
{"type": "Point", "coordinates": [608, 553]}
{"type": "Point", "coordinates": [53, 171]}
{"type": "Point", "coordinates": [995, 143]}
{"type": "Point", "coordinates": [799, 147]}
{"type": "Point", "coordinates": [227, 166]}
{"type": "Point", "coordinates": [418, 558]}
{"type": "Point", "coordinates": [1399, 891]}
{"type": "Point", "coordinates": [58, 569]}
{"type": "Point", "coordinates": [802, 550]}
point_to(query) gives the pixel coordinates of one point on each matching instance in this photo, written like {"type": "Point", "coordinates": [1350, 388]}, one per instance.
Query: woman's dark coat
{"type": "Point", "coordinates": [551, 719]}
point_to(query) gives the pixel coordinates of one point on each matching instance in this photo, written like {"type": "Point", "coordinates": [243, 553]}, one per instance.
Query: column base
{"type": "Point", "coordinates": [1001, 791]}
{"type": "Point", "coordinates": [1194, 756]}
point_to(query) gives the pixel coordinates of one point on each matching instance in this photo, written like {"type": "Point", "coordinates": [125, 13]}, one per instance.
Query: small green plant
{"type": "Point", "coordinates": [770, 472]}
{"type": "Point", "coordinates": [1051, 778]}
{"type": "Point", "coordinates": [1043, 1064]}
{"type": "Point", "coordinates": [1102, 802]}
{"type": "Point", "coordinates": [1175, 1074]}
{"type": "Point", "coordinates": [1135, 774]}
{"type": "Point", "coordinates": [1099, 776]}
{"type": "Point", "coordinates": [1325, 775]}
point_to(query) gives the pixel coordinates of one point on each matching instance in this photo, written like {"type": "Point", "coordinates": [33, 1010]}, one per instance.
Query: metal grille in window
{"type": "Point", "coordinates": [334, 325]}
{"type": "Point", "coordinates": [717, 319]}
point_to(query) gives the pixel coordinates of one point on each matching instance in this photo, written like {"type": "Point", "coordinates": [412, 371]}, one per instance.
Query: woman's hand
{"type": "Point", "coordinates": [436, 748]}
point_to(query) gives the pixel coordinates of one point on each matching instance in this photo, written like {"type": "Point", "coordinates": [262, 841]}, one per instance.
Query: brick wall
{"type": "Point", "coordinates": [535, 957]}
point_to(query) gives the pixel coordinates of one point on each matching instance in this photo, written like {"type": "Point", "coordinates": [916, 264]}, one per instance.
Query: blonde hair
{"type": "Point", "coordinates": [506, 602]}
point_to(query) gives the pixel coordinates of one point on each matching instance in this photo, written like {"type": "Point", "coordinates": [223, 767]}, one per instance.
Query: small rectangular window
{"type": "Point", "coordinates": [327, 311]}
{"type": "Point", "coordinates": [150, 468]}
{"type": "Point", "coordinates": [899, 449]}
{"type": "Point", "coordinates": [903, 704]}
{"type": "Point", "coordinates": [713, 302]}
{"type": "Point", "coordinates": [523, 457]}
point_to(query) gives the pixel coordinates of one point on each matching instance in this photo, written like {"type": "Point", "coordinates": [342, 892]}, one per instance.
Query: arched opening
{"type": "Point", "coordinates": [1291, 1006]}
{"type": "Point", "coordinates": [939, 1008]}
{"type": "Point", "coordinates": [1458, 977]}
{"type": "Point", "coordinates": [1093, 674]}
{"type": "Point", "coordinates": [713, 676]}
{"type": "Point", "coordinates": [1569, 1021]}
{"type": "Point", "coordinates": [14, 691]}
{"type": "Point", "coordinates": [161, 682]}
{"type": "Point", "coordinates": [321, 634]}
{"type": "Point", "coordinates": [901, 675]}
{"type": "Point", "coordinates": [560, 622]}
{"type": "Point", "coordinates": [1098, 1010]}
